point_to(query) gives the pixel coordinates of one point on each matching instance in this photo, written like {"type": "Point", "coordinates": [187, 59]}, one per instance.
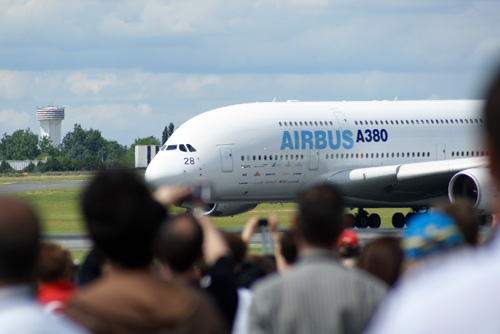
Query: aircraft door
{"type": "Point", "coordinates": [440, 151]}
{"type": "Point", "coordinates": [226, 156]}
{"type": "Point", "coordinates": [314, 160]}
{"type": "Point", "coordinates": [342, 120]}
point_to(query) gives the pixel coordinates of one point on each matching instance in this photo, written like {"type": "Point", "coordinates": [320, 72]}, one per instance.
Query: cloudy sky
{"type": "Point", "coordinates": [130, 67]}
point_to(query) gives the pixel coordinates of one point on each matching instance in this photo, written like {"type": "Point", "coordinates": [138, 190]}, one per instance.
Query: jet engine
{"type": "Point", "coordinates": [229, 209]}
{"type": "Point", "coordinates": [477, 186]}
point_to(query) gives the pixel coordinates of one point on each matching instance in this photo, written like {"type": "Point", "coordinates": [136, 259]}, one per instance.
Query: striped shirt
{"type": "Point", "coordinates": [318, 295]}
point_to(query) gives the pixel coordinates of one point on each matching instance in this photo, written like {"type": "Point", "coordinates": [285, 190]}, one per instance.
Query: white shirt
{"type": "Point", "coordinates": [21, 313]}
{"type": "Point", "coordinates": [458, 295]}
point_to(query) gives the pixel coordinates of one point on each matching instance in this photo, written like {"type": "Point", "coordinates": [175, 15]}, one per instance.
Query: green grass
{"type": "Point", "coordinates": [59, 209]}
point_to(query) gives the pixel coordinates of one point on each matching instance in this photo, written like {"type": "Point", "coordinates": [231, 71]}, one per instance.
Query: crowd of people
{"type": "Point", "coordinates": [154, 272]}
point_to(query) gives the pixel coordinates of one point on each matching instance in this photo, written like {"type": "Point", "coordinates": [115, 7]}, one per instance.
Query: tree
{"type": "Point", "coordinates": [5, 167]}
{"type": "Point", "coordinates": [167, 132]}
{"type": "Point", "coordinates": [21, 145]}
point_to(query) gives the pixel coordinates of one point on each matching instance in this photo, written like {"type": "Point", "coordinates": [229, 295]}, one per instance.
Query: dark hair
{"type": "Point", "coordinates": [181, 240]}
{"type": "Point", "coordinates": [492, 117]}
{"type": "Point", "coordinates": [122, 217]}
{"type": "Point", "coordinates": [465, 216]}
{"type": "Point", "coordinates": [19, 241]}
{"type": "Point", "coordinates": [320, 215]}
{"type": "Point", "coordinates": [237, 246]}
{"type": "Point", "coordinates": [288, 247]}
{"type": "Point", "coordinates": [53, 263]}
{"type": "Point", "coordinates": [382, 258]}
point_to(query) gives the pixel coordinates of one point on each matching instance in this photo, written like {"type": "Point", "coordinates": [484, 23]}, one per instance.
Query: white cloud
{"type": "Point", "coordinates": [13, 120]}
{"type": "Point", "coordinates": [194, 84]}
{"type": "Point", "coordinates": [13, 84]}
{"type": "Point", "coordinates": [80, 83]}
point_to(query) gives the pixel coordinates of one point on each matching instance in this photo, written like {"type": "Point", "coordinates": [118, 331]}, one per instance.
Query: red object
{"type": "Point", "coordinates": [348, 238]}
{"type": "Point", "coordinates": [55, 294]}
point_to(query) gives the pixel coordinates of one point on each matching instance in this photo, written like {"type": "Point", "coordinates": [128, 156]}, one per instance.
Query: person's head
{"type": "Point", "coordinates": [288, 247]}
{"type": "Point", "coordinates": [122, 218]}
{"type": "Point", "coordinates": [465, 216]}
{"type": "Point", "coordinates": [237, 246]}
{"type": "Point", "coordinates": [382, 258]}
{"type": "Point", "coordinates": [320, 215]}
{"type": "Point", "coordinates": [492, 121]}
{"type": "Point", "coordinates": [19, 241]}
{"type": "Point", "coordinates": [348, 244]}
{"type": "Point", "coordinates": [54, 263]}
{"type": "Point", "coordinates": [180, 244]}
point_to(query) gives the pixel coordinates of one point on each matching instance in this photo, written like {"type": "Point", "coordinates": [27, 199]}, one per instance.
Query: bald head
{"type": "Point", "coordinates": [181, 242]}
{"type": "Point", "coordinates": [19, 241]}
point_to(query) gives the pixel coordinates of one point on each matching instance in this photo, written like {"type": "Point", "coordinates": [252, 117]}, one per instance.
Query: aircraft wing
{"type": "Point", "coordinates": [401, 184]}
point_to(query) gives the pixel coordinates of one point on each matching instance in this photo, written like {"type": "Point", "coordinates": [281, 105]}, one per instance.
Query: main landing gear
{"type": "Point", "coordinates": [363, 220]}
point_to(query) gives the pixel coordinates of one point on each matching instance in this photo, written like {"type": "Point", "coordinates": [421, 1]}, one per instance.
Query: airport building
{"type": "Point", "coordinates": [50, 122]}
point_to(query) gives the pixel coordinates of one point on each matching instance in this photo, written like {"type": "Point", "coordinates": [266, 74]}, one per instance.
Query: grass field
{"type": "Point", "coordinates": [60, 212]}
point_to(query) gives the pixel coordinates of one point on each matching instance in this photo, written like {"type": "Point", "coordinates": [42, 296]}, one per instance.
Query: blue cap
{"type": "Point", "coordinates": [430, 233]}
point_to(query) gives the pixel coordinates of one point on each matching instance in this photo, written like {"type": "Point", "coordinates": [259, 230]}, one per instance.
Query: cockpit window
{"type": "Point", "coordinates": [182, 148]}
{"type": "Point", "coordinates": [163, 148]}
{"type": "Point", "coordinates": [171, 147]}
{"type": "Point", "coordinates": [190, 148]}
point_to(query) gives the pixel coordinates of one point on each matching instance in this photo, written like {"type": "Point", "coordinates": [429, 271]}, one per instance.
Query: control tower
{"type": "Point", "coordinates": [50, 122]}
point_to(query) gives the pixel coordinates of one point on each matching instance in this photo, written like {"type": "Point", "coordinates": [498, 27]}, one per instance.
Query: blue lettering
{"type": "Point", "coordinates": [297, 141]}
{"type": "Point", "coordinates": [320, 136]}
{"type": "Point", "coordinates": [307, 138]}
{"type": "Point", "coordinates": [286, 142]}
{"type": "Point", "coordinates": [330, 140]}
{"type": "Point", "coordinates": [360, 137]}
{"type": "Point", "coordinates": [348, 141]}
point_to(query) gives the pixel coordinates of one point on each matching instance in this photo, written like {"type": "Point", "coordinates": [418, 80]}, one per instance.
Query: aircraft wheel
{"type": "Point", "coordinates": [398, 220]}
{"type": "Point", "coordinates": [409, 215]}
{"type": "Point", "coordinates": [361, 221]}
{"type": "Point", "coordinates": [349, 221]}
{"type": "Point", "coordinates": [374, 220]}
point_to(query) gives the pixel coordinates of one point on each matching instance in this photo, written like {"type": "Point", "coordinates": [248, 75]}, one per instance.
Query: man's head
{"type": "Point", "coordinates": [492, 118]}
{"type": "Point", "coordinates": [19, 241]}
{"type": "Point", "coordinates": [122, 218]}
{"type": "Point", "coordinates": [320, 214]}
{"type": "Point", "coordinates": [181, 240]}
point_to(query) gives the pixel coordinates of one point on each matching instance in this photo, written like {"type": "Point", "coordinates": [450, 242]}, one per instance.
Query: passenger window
{"type": "Point", "coordinates": [242, 158]}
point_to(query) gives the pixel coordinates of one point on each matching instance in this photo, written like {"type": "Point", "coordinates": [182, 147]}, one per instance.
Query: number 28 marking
{"type": "Point", "coordinates": [189, 161]}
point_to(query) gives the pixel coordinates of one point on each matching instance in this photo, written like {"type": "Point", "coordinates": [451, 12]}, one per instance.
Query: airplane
{"type": "Point", "coordinates": [396, 154]}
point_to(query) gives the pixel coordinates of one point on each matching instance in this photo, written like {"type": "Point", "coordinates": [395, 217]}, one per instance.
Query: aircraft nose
{"type": "Point", "coordinates": [165, 169]}
{"type": "Point", "coordinates": [156, 174]}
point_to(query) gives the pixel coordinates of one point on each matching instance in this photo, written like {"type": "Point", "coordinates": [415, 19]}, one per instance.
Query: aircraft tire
{"type": "Point", "coordinates": [361, 221]}
{"type": "Point", "coordinates": [374, 220]}
{"type": "Point", "coordinates": [398, 220]}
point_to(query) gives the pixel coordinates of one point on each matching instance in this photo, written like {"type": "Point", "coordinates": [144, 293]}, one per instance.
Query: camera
{"type": "Point", "coordinates": [202, 191]}
{"type": "Point", "coordinates": [263, 222]}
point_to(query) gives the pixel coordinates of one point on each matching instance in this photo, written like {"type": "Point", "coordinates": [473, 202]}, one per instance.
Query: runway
{"type": "Point", "coordinates": [17, 187]}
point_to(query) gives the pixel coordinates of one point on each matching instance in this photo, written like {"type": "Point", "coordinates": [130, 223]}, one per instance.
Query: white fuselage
{"type": "Point", "coordinates": [267, 152]}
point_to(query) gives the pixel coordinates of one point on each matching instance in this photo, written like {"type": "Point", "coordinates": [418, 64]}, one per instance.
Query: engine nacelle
{"type": "Point", "coordinates": [477, 186]}
{"type": "Point", "coordinates": [229, 209]}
